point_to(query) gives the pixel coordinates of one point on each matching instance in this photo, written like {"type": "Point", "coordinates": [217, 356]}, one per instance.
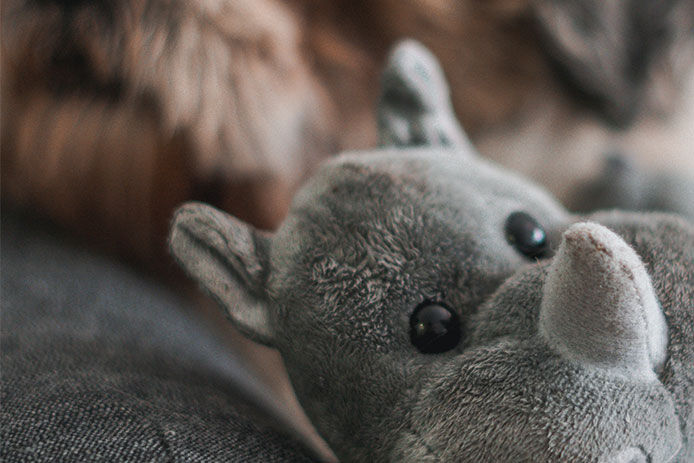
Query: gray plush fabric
{"type": "Point", "coordinates": [415, 107]}
{"type": "Point", "coordinates": [523, 400]}
{"type": "Point", "coordinates": [586, 356]}
{"type": "Point", "coordinates": [100, 364]}
{"type": "Point", "coordinates": [598, 305]}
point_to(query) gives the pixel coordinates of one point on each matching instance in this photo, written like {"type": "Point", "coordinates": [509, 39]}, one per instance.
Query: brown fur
{"type": "Point", "coordinates": [114, 112]}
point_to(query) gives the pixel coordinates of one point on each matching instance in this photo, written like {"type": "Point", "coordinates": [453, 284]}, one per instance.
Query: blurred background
{"type": "Point", "coordinates": [116, 111]}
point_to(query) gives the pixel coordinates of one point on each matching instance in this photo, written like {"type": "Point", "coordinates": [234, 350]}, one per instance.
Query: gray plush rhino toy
{"type": "Point", "coordinates": [431, 306]}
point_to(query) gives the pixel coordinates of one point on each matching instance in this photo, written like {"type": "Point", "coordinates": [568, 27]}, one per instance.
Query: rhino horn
{"type": "Point", "coordinates": [599, 307]}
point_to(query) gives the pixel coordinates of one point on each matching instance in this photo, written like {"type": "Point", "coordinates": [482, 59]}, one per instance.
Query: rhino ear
{"type": "Point", "coordinates": [415, 107]}
{"type": "Point", "coordinates": [599, 307]}
{"type": "Point", "coordinates": [229, 259]}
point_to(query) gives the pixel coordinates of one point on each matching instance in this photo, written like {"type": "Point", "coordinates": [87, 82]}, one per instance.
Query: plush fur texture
{"type": "Point", "coordinates": [586, 355]}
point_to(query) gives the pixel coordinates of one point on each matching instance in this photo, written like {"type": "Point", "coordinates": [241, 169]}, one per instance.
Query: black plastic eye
{"type": "Point", "coordinates": [526, 235]}
{"type": "Point", "coordinates": [434, 328]}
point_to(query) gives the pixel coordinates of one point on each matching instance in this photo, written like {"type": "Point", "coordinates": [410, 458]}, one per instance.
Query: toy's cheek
{"type": "Point", "coordinates": [520, 393]}
{"type": "Point", "coordinates": [513, 310]}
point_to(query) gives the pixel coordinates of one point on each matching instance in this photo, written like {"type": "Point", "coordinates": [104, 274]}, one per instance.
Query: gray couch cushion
{"type": "Point", "coordinates": [98, 363]}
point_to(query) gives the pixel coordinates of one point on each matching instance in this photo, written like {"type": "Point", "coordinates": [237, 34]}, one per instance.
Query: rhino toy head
{"type": "Point", "coordinates": [431, 306]}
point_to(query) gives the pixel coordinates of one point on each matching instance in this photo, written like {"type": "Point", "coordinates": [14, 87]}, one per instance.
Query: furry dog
{"type": "Point", "coordinates": [115, 111]}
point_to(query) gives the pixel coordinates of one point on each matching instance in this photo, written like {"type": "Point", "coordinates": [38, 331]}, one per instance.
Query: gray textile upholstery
{"type": "Point", "coordinates": [100, 364]}
{"type": "Point", "coordinates": [581, 352]}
